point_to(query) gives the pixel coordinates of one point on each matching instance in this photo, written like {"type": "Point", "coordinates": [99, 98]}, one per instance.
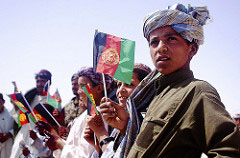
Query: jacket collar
{"type": "Point", "coordinates": [172, 79]}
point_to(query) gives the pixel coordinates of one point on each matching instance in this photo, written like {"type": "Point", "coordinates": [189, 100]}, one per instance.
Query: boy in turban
{"type": "Point", "coordinates": [185, 116]}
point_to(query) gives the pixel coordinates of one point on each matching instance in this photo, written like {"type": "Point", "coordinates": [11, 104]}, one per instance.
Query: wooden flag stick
{"type": "Point", "coordinates": [104, 85]}
{"type": "Point", "coordinates": [29, 107]}
{"type": "Point", "coordinates": [48, 84]}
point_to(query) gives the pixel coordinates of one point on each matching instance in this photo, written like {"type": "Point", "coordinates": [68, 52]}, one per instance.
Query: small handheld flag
{"type": "Point", "coordinates": [113, 56]}
{"type": "Point", "coordinates": [88, 92]}
{"type": "Point", "coordinates": [56, 96]}
{"type": "Point", "coordinates": [18, 100]}
{"type": "Point", "coordinates": [55, 100]}
{"type": "Point", "coordinates": [44, 114]}
{"type": "Point", "coordinates": [24, 108]}
{"type": "Point", "coordinates": [90, 107]}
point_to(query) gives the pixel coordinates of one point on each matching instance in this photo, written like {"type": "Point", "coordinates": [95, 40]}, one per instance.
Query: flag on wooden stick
{"type": "Point", "coordinates": [24, 108]}
{"type": "Point", "coordinates": [44, 113]}
{"type": "Point", "coordinates": [114, 56]}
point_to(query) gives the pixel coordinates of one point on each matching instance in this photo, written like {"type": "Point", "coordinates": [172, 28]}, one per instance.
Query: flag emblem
{"type": "Point", "coordinates": [22, 117]}
{"type": "Point", "coordinates": [110, 56]}
{"type": "Point", "coordinates": [39, 117]}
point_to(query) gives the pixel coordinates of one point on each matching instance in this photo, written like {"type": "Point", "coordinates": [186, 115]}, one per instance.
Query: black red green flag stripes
{"type": "Point", "coordinates": [18, 100]}
{"type": "Point", "coordinates": [89, 94]}
{"type": "Point", "coordinates": [22, 118]}
{"type": "Point", "coordinates": [44, 115]}
{"type": "Point", "coordinates": [113, 56]}
{"type": "Point", "coordinates": [55, 100]}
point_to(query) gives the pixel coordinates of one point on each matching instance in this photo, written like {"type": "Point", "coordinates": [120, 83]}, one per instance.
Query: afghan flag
{"type": "Point", "coordinates": [113, 56]}
{"type": "Point", "coordinates": [56, 96]}
{"type": "Point", "coordinates": [18, 100]}
{"type": "Point", "coordinates": [44, 114]}
{"type": "Point", "coordinates": [55, 100]}
{"type": "Point", "coordinates": [22, 119]}
{"type": "Point", "coordinates": [90, 107]}
{"type": "Point", "coordinates": [88, 92]}
{"type": "Point", "coordinates": [39, 116]}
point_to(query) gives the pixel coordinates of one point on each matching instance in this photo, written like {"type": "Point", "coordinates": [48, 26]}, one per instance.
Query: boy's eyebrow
{"type": "Point", "coordinates": [171, 34]}
{"type": "Point", "coordinates": [167, 35]}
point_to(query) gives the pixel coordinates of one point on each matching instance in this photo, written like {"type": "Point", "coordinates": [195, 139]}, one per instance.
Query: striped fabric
{"type": "Point", "coordinates": [187, 22]}
{"type": "Point", "coordinates": [140, 98]}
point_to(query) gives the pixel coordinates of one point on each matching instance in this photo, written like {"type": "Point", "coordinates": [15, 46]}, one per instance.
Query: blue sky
{"type": "Point", "coordinates": [58, 35]}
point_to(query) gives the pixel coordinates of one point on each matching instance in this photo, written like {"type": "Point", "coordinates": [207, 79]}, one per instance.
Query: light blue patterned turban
{"type": "Point", "coordinates": [187, 22]}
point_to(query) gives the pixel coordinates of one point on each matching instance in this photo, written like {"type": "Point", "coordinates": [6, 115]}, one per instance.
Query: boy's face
{"type": "Point", "coordinates": [169, 51]}
{"type": "Point", "coordinates": [124, 90]}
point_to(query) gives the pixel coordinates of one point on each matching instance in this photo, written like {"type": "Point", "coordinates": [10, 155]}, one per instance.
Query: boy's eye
{"type": "Point", "coordinates": [119, 85]}
{"type": "Point", "coordinates": [172, 38]}
{"type": "Point", "coordinates": [154, 43]}
{"type": "Point", "coordinates": [131, 84]}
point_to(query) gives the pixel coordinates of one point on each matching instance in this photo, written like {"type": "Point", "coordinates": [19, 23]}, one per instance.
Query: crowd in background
{"type": "Point", "coordinates": [164, 112]}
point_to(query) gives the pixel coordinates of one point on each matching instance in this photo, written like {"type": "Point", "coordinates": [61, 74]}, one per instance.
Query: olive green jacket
{"type": "Point", "coordinates": [185, 119]}
{"type": "Point", "coordinates": [71, 111]}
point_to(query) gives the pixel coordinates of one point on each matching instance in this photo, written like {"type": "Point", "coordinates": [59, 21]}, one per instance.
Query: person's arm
{"type": "Point", "coordinates": [91, 139]}
{"type": "Point", "coordinates": [222, 136]}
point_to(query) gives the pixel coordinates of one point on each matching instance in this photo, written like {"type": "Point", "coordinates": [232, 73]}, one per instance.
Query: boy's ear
{"type": "Point", "coordinates": [194, 50]}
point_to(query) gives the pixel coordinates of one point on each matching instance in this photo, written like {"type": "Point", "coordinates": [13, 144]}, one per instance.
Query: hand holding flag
{"type": "Point", "coordinates": [114, 114]}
